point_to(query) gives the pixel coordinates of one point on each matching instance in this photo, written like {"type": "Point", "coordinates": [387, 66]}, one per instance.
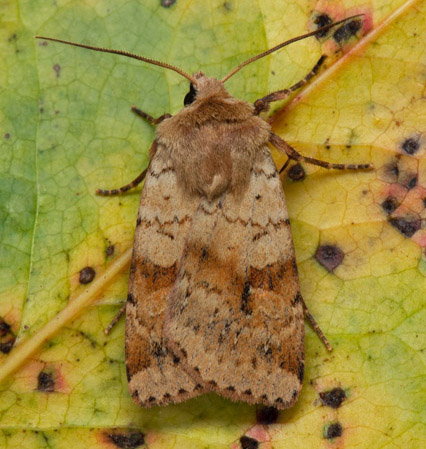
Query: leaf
{"type": "Point", "coordinates": [66, 129]}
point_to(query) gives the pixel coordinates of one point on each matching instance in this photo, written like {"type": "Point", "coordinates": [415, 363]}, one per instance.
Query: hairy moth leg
{"type": "Point", "coordinates": [149, 118]}
{"type": "Point", "coordinates": [262, 104]}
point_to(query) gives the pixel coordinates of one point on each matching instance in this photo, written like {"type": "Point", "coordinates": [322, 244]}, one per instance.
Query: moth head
{"type": "Point", "coordinates": [206, 87]}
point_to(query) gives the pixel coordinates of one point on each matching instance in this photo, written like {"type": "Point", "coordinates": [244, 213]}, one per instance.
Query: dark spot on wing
{"type": "Point", "coordinates": [87, 274]}
{"type": "Point", "coordinates": [333, 398]}
{"type": "Point", "coordinates": [245, 298]}
{"type": "Point", "coordinates": [329, 256]}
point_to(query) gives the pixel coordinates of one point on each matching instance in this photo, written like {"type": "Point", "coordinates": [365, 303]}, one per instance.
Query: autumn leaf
{"type": "Point", "coordinates": [360, 238]}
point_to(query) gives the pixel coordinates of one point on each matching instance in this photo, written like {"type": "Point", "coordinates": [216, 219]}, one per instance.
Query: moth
{"type": "Point", "coordinates": [214, 302]}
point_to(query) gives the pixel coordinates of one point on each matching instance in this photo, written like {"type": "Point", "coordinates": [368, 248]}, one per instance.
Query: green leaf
{"type": "Point", "coordinates": [67, 129]}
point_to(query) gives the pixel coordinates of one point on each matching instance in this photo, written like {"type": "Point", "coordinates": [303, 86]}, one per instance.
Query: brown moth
{"type": "Point", "coordinates": [214, 302]}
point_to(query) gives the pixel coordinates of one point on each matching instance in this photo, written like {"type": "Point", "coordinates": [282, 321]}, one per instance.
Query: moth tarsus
{"type": "Point", "coordinates": [214, 302]}
{"type": "Point", "coordinates": [115, 320]}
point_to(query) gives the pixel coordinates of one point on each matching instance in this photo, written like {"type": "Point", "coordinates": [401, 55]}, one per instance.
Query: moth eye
{"type": "Point", "coordinates": [190, 96]}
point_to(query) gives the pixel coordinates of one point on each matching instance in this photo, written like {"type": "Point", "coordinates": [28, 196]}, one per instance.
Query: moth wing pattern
{"type": "Point", "coordinates": [235, 315]}
{"type": "Point", "coordinates": [154, 374]}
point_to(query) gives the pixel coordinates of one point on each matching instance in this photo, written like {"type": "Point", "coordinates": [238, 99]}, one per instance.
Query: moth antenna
{"type": "Point", "coordinates": [124, 53]}
{"type": "Point", "coordinates": [283, 44]}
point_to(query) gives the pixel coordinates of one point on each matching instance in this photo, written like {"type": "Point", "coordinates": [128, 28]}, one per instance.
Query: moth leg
{"type": "Point", "coordinates": [284, 147]}
{"type": "Point", "coordinates": [285, 165]}
{"type": "Point", "coordinates": [149, 118]}
{"type": "Point", "coordinates": [114, 321]}
{"type": "Point", "coordinates": [134, 183]}
{"type": "Point", "coordinates": [262, 104]}
{"type": "Point", "coordinates": [315, 326]}
{"type": "Point", "coordinates": [123, 189]}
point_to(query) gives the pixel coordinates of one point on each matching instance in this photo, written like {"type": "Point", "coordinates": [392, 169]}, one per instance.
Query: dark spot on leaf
{"type": "Point", "coordinates": [6, 346]}
{"type": "Point", "coordinates": [346, 31]}
{"type": "Point", "coordinates": [248, 443]}
{"type": "Point", "coordinates": [228, 6]}
{"type": "Point", "coordinates": [87, 275]}
{"type": "Point", "coordinates": [412, 182]}
{"type": "Point", "coordinates": [167, 3]}
{"type": "Point", "coordinates": [329, 256]}
{"type": "Point", "coordinates": [110, 250]}
{"type": "Point", "coordinates": [57, 69]}
{"type": "Point", "coordinates": [296, 173]}
{"type": "Point", "coordinates": [392, 172]}
{"type": "Point", "coordinates": [333, 398]}
{"type": "Point", "coordinates": [390, 204]}
{"type": "Point", "coordinates": [267, 415]}
{"type": "Point", "coordinates": [410, 146]}
{"type": "Point", "coordinates": [406, 227]}
{"type": "Point", "coordinates": [130, 441]}
{"type": "Point", "coordinates": [333, 430]}
{"type": "Point", "coordinates": [4, 327]}
{"type": "Point", "coordinates": [321, 21]}
{"type": "Point", "coordinates": [45, 382]}
{"type": "Point", "coordinates": [7, 136]}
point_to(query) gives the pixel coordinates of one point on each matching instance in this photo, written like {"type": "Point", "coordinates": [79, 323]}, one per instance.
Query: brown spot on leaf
{"type": "Point", "coordinates": [296, 173]}
{"type": "Point", "coordinates": [57, 69]}
{"type": "Point", "coordinates": [7, 136]}
{"type": "Point", "coordinates": [329, 256]}
{"type": "Point", "coordinates": [410, 146]}
{"type": "Point", "coordinates": [390, 204]}
{"type": "Point", "coordinates": [333, 398]}
{"type": "Point", "coordinates": [248, 443]}
{"type": "Point", "coordinates": [333, 430]}
{"type": "Point", "coordinates": [127, 441]}
{"type": "Point", "coordinates": [406, 227]}
{"type": "Point", "coordinates": [45, 382]}
{"type": "Point", "coordinates": [87, 275]}
{"type": "Point", "coordinates": [321, 21]}
{"type": "Point", "coordinates": [110, 250]}
{"type": "Point", "coordinates": [4, 327]}
{"type": "Point", "coordinates": [6, 346]}
{"type": "Point", "coordinates": [167, 3]}
{"type": "Point", "coordinates": [412, 182]}
{"type": "Point", "coordinates": [267, 415]}
{"type": "Point", "coordinates": [347, 30]}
